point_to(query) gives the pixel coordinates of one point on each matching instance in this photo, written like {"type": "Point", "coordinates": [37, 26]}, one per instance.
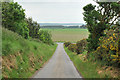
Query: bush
{"type": "Point", "coordinates": [45, 37]}
{"type": "Point", "coordinates": [72, 47]}
{"type": "Point", "coordinates": [67, 44]}
{"type": "Point", "coordinates": [108, 50]}
{"type": "Point", "coordinates": [22, 29]}
{"type": "Point", "coordinates": [81, 46]}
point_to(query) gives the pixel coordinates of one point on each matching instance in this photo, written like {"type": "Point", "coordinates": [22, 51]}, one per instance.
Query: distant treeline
{"type": "Point", "coordinates": [61, 26]}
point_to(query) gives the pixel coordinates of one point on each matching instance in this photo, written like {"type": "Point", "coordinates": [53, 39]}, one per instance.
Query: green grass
{"type": "Point", "coordinates": [87, 69]}
{"type": "Point", "coordinates": [72, 35]}
{"type": "Point", "coordinates": [12, 44]}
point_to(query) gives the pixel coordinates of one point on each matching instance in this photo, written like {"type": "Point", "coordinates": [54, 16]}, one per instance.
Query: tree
{"type": "Point", "coordinates": [34, 28]}
{"type": "Point", "coordinates": [13, 18]}
{"type": "Point", "coordinates": [12, 13]}
{"type": "Point", "coordinates": [100, 19]}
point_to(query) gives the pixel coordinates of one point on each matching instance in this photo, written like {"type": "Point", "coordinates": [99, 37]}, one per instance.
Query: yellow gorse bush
{"type": "Point", "coordinates": [110, 44]}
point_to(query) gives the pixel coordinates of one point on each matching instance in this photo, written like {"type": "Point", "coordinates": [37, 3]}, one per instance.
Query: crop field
{"type": "Point", "coordinates": [72, 35]}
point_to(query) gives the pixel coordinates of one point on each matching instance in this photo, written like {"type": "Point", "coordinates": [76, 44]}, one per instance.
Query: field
{"type": "Point", "coordinates": [72, 35]}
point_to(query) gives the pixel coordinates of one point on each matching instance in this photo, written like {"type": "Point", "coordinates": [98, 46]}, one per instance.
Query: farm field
{"type": "Point", "coordinates": [72, 35]}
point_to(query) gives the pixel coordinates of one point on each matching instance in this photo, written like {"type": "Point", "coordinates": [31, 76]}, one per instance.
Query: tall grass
{"type": "Point", "coordinates": [87, 69]}
{"type": "Point", "coordinates": [12, 44]}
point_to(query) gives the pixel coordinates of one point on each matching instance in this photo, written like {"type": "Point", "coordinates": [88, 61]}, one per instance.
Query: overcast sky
{"type": "Point", "coordinates": [55, 11]}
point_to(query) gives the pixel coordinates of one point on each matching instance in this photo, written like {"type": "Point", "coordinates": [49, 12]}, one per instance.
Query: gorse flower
{"type": "Point", "coordinates": [114, 34]}
{"type": "Point", "coordinates": [109, 46]}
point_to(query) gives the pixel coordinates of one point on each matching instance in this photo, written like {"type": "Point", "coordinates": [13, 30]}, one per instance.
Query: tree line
{"type": "Point", "coordinates": [14, 19]}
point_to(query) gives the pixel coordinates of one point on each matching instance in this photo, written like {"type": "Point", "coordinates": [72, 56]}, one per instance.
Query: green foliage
{"type": "Point", "coordinates": [72, 47]}
{"type": "Point", "coordinates": [108, 50]}
{"type": "Point", "coordinates": [45, 36]}
{"type": "Point", "coordinates": [35, 32]}
{"type": "Point", "coordinates": [81, 46]}
{"type": "Point", "coordinates": [67, 44]}
{"type": "Point", "coordinates": [98, 20]}
{"type": "Point", "coordinates": [103, 40]}
{"type": "Point", "coordinates": [22, 29]}
{"type": "Point", "coordinates": [13, 44]}
{"type": "Point", "coordinates": [34, 28]}
{"type": "Point", "coordinates": [86, 68]}
{"type": "Point", "coordinates": [91, 16]}
{"type": "Point", "coordinates": [11, 13]}
{"type": "Point", "coordinates": [13, 18]}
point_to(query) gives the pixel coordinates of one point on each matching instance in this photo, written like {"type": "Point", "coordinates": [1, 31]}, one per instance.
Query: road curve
{"type": "Point", "coordinates": [59, 66]}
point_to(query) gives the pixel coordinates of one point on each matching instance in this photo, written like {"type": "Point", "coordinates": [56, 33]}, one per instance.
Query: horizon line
{"type": "Point", "coordinates": [61, 22]}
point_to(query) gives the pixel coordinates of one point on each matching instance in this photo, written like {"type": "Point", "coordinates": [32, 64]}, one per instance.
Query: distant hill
{"type": "Point", "coordinates": [61, 24]}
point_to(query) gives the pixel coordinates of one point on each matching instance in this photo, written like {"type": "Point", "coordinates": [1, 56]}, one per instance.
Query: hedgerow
{"type": "Point", "coordinates": [72, 47]}
{"type": "Point", "coordinates": [81, 46]}
{"type": "Point", "coordinates": [67, 44]}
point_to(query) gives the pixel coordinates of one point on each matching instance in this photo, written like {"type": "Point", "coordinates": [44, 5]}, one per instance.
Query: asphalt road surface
{"type": "Point", "coordinates": [59, 66]}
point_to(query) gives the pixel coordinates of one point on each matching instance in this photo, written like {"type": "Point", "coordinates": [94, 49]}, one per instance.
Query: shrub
{"type": "Point", "coordinates": [34, 28]}
{"type": "Point", "coordinates": [45, 36]}
{"type": "Point", "coordinates": [72, 47]}
{"type": "Point", "coordinates": [67, 44]}
{"type": "Point", "coordinates": [108, 50]}
{"type": "Point", "coordinates": [22, 29]}
{"type": "Point", "coordinates": [81, 46]}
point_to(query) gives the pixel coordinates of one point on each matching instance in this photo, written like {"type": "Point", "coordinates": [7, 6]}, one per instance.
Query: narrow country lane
{"type": "Point", "coordinates": [59, 66]}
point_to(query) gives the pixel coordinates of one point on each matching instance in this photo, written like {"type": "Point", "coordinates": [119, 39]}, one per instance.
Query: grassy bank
{"type": "Point", "coordinates": [86, 68]}
{"type": "Point", "coordinates": [90, 69]}
{"type": "Point", "coordinates": [21, 57]}
{"type": "Point", "coordinates": [72, 35]}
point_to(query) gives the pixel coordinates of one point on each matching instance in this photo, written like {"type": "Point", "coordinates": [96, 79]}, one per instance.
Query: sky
{"type": "Point", "coordinates": [55, 11]}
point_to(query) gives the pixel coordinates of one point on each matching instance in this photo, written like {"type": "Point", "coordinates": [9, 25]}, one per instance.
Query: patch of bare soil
{"type": "Point", "coordinates": [109, 71]}
{"type": "Point", "coordinates": [9, 62]}
{"type": "Point", "coordinates": [83, 57]}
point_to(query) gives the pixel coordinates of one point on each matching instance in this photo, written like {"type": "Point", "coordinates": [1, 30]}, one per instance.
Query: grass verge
{"type": "Point", "coordinates": [21, 57]}
{"type": "Point", "coordinates": [87, 69]}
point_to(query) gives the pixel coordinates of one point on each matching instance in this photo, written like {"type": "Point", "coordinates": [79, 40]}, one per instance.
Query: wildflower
{"type": "Point", "coordinates": [111, 46]}
{"type": "Point", "coordinates": [114, 59]}
{"type": "Point", "coordinates": [115, 56]}
{"type": "Point", "coordinates": [113, 34]}
{"type": "Point", "coordinates": [98, 48]}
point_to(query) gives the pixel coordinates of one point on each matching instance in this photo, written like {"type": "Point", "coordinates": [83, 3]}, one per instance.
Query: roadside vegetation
{"type": "Point", "coordinates": [89, 68]}
{"type": "Point", "coordinates": [25, 47]}
{"type": "Point", "coordinates": [86, 69]}
{"type": "Point", "coordinates": [13, 18]}
{"type": "Point", "coordinates": [21, 57]}
{"type": "Point", "coordinates": [100, 52]}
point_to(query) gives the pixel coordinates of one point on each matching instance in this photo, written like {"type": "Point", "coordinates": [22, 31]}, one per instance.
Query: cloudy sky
{"type": "Point", "coordinates": [55, 11]}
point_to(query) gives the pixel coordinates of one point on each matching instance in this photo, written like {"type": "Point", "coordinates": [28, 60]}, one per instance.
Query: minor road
{"type": "Point", "coordinates": [59, 66]}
